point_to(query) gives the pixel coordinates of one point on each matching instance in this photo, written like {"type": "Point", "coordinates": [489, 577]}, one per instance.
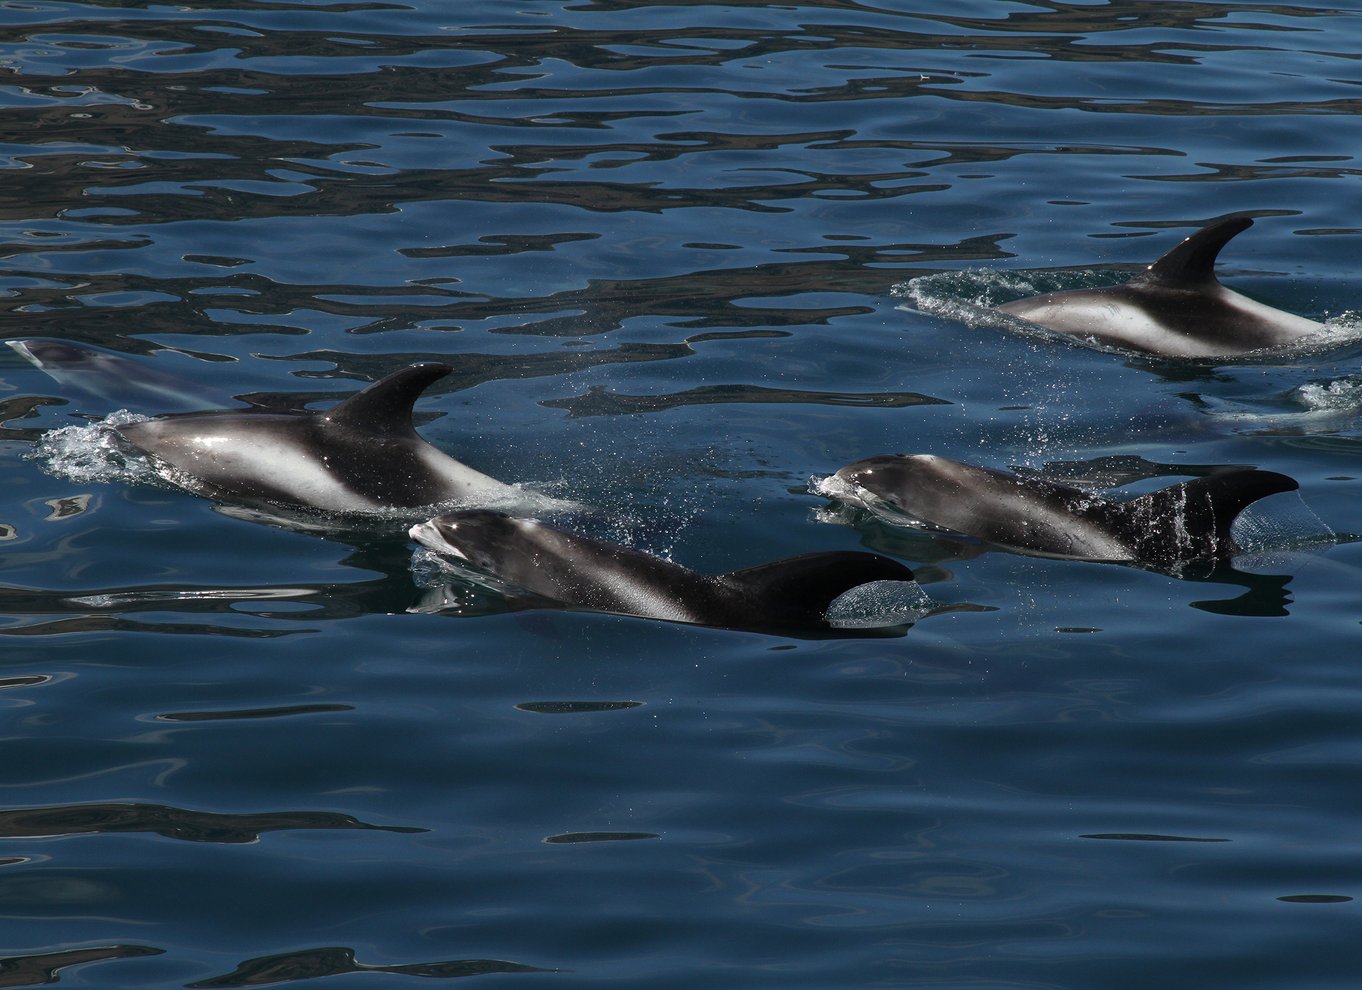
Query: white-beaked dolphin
{"type": "Point", "coordinates": [1174, 308]}
{"type": "Point", "coordinates": [565, 570]}
{"type": "Point", "coordinates": [1183, 523]}
{"type": "Point", "coordinates": [363, 455]}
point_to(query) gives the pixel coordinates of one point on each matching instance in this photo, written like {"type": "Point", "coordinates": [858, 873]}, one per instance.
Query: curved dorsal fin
{"type": "Point", "coordinates": [1191, 265]}
{"type": "Point", "coordinates": [806, 585]}
{"type": "Point", "coordinates": [385, 406]}
{"type": "Point", "coordinates": [1194, 518]}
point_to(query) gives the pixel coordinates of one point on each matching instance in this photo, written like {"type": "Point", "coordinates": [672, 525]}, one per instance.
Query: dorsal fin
{"type": "Point", "coordinates": [385, 406]}
{"type": "Point", "coordinates": [1191, 265]}
{"type": "Point", "coordinates": [803, 587]}
{"type": "Point", "coordinates": [1192, 520]}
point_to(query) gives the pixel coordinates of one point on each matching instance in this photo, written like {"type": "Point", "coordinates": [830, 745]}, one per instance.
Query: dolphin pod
{"type": "Point", "coordinates": [1183, 523]}
{"type": "Point", "coordinates": [364, 456]}
{"type": "Point", "coordinates": [564, 569]}
{"type": "Point", "coordinates": [1174, 308]}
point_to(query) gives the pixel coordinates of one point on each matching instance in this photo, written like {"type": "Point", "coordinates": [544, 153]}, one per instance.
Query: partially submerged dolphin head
{"type": "Point", "coordinates": [563, 569]}
{"type": "Point", "coordinates": [1174, 308]}
{"type": "Point", "coordinates": [361, 456]}
{"type": "Point", "coordinates": [1182, 523]}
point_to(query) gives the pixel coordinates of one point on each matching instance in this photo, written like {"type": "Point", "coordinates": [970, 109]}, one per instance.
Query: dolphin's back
{"type": "Point", "coordinates": [363, 455]}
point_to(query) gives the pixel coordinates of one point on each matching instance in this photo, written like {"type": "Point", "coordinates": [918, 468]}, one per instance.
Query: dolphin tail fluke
{"type": "Point", "coordinates": [806, 585]}
{"type": "Point", "coordinates": [1191, 265]}
{"type": "Point", "coordinates": [1192, 520]}
{"type": "Point", "coordinates": [386, 405]}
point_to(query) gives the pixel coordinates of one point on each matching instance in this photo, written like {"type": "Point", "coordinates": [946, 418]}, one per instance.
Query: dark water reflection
{"type": "Point", "coordinates": [392, 590]}
{"type": "Point", "coordinates": [313, 963]}
{"type": "Point", "coordinates": [597, 402]}
{"type": "Point", "coordinates": [172, 823]}
{"type": "Point", "coordinates": [45, 968]}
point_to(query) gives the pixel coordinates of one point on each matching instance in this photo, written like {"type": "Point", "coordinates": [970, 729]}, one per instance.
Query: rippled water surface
{"type": "Point", "coordinates": [682, 258]}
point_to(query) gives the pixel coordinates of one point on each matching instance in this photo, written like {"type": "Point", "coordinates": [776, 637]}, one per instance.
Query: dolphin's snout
{"type": "Point", "coordinates": [436, 534]}
{"type": "Point", "coordinates": [859, 472]}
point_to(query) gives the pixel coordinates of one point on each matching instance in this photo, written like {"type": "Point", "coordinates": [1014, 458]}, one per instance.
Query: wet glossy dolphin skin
{"type": "Point", "coordinates": [564, 569]}
{"type": "Point", "coordinates": [361, 456]}
{"type": "Point", "coordinates": [1179, 524]}
{"type": "Point", "coordinates": [1175, 308]}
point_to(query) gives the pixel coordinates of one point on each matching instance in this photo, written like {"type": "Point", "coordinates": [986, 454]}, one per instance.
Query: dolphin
{"type": "Point", "coordinates": [1174, 308]}
{"type": "Point", "coordinates": [363, 455]}
{"type": "Point", "coordinates": [110, 377]}
{"type": "Point", "coordinates": [562, 569]}
{"type": "Point", "coordinates": [1184, 523]}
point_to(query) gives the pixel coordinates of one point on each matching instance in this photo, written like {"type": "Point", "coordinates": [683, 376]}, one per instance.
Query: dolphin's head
{"type": "Point", "coordinates": [479, 538]}
{"type": "Point", "coordinates": [507, 552]}
{"type": "Point", "coordinates": [882, 478]}
{"type": "Point", "coordinates": [51, 355]}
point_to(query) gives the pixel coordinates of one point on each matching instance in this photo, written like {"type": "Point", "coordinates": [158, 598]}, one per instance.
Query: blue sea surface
{"type": "Point", "coordinates": [683, 258]}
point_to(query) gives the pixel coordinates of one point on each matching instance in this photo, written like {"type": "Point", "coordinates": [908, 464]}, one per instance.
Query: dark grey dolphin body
{"type": "Point", "coordinates": [1174, 308]}
{"type": "Point", "coordinates": [566, 570]}
{"type": "Point", "coordinates": [1180, 524]}
{"type": "Point", "coordinates": [361, 456]}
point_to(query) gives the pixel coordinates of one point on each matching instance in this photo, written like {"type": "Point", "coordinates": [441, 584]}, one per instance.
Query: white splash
{"type": "Point", "coordinates": [448, 587]}
{"type": "Point", "coordinates": [971, 294]}
{"type": "Point", "coordinates": [848, 496]}
{"type": "Point", "coordinates": [1343, 395]}
{"type": "Point", "coordinates": [93, 452]}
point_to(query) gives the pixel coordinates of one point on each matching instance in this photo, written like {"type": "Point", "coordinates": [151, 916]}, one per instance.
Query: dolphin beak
{"type": "Point", "coordinates": [432, 535]}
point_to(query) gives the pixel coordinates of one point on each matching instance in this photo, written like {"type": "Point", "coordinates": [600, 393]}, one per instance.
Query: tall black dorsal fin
{"type": "Point", "coordinates": [1191, 265]}
{"type": "Point", "coordinates": [1192, 520]}
{"type": "Point", "coordinates": [385, 406]}
{"type": "Point", "coordinates": [801, 588]}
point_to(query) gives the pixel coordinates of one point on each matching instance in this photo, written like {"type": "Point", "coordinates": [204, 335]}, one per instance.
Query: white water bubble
{"type": "Point", "coordinates": [970, 295]}
{"type": "Point", "coordinates": [878, 604]}
{"type": "Point", "coordinates": [1342, 395]}
{"type": "Point", "coordinates": [1271, 529]}
{"type": "Point", "coordinates": [92, 452]}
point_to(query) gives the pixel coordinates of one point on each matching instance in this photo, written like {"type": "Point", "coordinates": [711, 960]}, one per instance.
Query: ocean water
{"type": "Point", "coordinates": [683, 258]}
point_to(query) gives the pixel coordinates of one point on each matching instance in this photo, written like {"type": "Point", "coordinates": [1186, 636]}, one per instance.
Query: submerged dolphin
{"type": "Point", "coordinates": [566, 570]}
{"type": "Point", "coordinates": [1174, 308]}
{"type": "Point", "coordinates": [114, 378]}
{"type": "Point", "coordinates": [1180, 524]}
{"type": "Point", "coordinates": [361, 456]}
